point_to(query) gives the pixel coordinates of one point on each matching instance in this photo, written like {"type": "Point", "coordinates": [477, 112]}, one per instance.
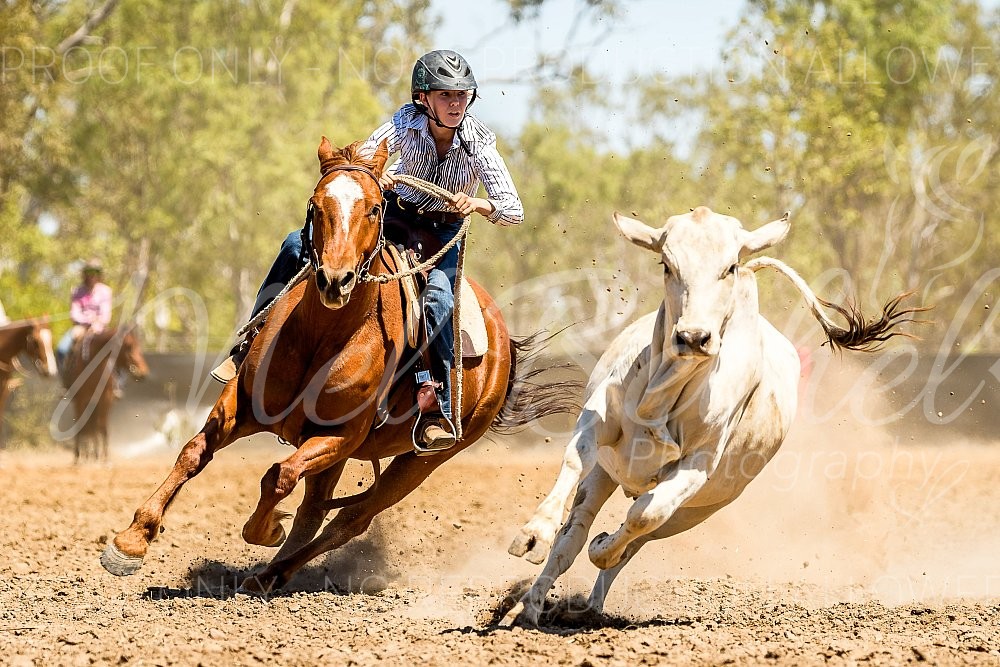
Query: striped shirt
{"type": "Point", "coordinates": [409, 135]}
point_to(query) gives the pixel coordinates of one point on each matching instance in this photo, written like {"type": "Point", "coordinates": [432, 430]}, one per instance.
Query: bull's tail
{"type": "Point", "coordinates": [528, 398]}
{"type": "Point", "coordinates": [861, 333]}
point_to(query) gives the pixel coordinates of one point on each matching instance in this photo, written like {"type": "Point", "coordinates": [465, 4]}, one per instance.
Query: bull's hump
{"type": "Point", "coordinates": [701, 214]}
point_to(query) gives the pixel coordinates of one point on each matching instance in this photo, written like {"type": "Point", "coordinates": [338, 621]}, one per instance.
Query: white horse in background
{"type": "Point", "coordinates": [688, 403]}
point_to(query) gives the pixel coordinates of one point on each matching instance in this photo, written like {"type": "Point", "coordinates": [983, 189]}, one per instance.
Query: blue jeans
{"type": "Point", "coordinates": [439, 301]}
{"type": "Point", "coordinates": [285, 267]}
{"type": "Point", "coordinates": [439, 309]}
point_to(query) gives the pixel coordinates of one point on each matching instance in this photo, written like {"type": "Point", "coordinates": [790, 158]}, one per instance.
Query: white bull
{"type": "Point", "coordinates": [686, 406]}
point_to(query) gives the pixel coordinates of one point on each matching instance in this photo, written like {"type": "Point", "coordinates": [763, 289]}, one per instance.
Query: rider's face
{"type": "Point", "coordinates": [448, 105]}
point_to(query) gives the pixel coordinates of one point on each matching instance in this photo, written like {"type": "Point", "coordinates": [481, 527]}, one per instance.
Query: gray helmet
{"type": "Point", "coordinates": [441, 70]}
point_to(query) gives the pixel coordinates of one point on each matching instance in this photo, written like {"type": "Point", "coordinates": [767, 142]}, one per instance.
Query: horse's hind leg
{"type": "Point", "coordinates": [309, 516]}
{"type": "Point", "coordinates": [125, 554]}
{"type": "Point", "coordinates": [405, 473]}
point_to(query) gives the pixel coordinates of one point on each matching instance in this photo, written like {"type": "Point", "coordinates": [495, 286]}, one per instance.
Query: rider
{"type": "Point", "coordinates": [439, 142]}
{"type": "Point", "coordinates": [89, 310]}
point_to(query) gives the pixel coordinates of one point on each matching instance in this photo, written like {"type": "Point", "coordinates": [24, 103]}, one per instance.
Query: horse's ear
{"type": "Point", "coordinates": [380, 157]}
{"type": "Point", "coordinates": [325, 154]}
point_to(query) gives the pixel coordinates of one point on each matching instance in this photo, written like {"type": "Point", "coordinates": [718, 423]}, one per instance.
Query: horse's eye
{"type": "Point", "coordinates": [732, 270]}
{"type": "Point", "coordinates": [666, 268]}
{"type": "Point", "coordinates": [374, 212]}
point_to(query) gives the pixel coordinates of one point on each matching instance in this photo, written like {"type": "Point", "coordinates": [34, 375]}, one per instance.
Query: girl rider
{"type": "Point", "coordinates": [438, 141]}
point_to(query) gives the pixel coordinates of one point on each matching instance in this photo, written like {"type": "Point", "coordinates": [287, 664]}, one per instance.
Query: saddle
{"type": "Point", "coordinates": [403, 257]}
{"type": "Point", "coordinates": [471, 325]}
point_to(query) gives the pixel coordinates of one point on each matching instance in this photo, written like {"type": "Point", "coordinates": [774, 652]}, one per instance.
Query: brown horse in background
{"type": "Point", "coordinates": [25, 338]}
{"type": "Point", "coordinates": [90, 369]}
{"type": "Point", "coordinates": [312, 377]}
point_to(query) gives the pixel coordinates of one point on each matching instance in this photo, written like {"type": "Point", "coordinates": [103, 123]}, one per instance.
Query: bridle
{"type": "Point", "coordinates": [365, 263]}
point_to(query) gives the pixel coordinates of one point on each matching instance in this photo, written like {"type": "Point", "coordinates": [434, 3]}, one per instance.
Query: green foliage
{"type": "Point", "coordinates": [869, 120]}
{"type": "Point", "coordinates": [187, 129]}
{"type": "Point", "coordinates": [177, 141]}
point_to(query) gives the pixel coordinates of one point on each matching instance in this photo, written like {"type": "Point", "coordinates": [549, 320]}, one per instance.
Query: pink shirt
{"type": "Point", "coordinates": [92, 306]}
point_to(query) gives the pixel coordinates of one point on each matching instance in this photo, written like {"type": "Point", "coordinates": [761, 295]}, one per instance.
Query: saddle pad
{"type": "Point", "coordinates": [475, 341]}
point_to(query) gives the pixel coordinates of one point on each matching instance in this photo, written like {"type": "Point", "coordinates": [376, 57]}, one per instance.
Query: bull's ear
{"type": "Point", "coordinates": [765, 236]}
{"type": "Point", "coordinates": [639, 233]}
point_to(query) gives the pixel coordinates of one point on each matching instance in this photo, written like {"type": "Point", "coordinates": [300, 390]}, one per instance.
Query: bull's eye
{"type": "Point", "coordinates": [666, 268]}
{"type": "Point", "coordinates": [731, 271]}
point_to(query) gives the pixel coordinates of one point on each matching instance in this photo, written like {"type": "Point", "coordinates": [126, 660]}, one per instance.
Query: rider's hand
{"type": "Point", "coordinates": [465, 204]}
{"type": "Point", "coordinates": [386, 181]}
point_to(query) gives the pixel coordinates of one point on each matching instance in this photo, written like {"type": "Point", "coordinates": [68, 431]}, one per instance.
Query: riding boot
{"type": "Point", "coordinates": [434, 437]}
{"type": "Point", "coordinates": [228, 369]}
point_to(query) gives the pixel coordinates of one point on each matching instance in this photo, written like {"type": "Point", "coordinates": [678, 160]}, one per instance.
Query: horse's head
{"type": "Point", "coordinates": [346, 215]}
{"type": "Point", "coordinates": [700, 252]}
{"type": "Point", "coordinates": [39, 347]}
{"type": "Point", "coordinates": [130, 357]}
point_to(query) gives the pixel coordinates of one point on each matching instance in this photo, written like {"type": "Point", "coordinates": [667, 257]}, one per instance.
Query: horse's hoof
{"type": "Point", "coordinates": [275, 539]}
{"type": "Point", "coordinates": [118, 564]}
{"type": "Point", "coordinates": [280, 539]}
{"type": "Point", "coordinates": [255, 585]}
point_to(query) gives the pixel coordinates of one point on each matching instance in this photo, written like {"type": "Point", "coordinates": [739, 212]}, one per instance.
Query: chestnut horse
{"type": "Point", "coordinates": [30, 338]}
{"type": "Point", "coordinates": [313, 377]}
{"type": "Point", "coordinates": [90, 370]}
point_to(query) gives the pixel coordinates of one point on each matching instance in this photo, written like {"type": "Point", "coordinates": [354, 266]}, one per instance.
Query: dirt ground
{"type": "Point", "coordinates": [850, 548]}
{"type": "Point", "coordinates": [855, 545]}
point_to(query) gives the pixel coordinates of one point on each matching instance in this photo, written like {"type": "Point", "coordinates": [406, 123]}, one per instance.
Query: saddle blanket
{"type": "Point", "coordinates": [475, 341]}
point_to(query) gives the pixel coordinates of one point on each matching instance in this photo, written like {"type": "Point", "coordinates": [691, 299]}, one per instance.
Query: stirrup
{"type": "Point", "coordinates": [443, 442]}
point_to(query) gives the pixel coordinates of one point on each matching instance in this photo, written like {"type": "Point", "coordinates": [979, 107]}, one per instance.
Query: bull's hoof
{"type": "Point", "coordinates": [602, 552]}
{"type": "Point", "coordinates": [532, 543]}
{"type": "Point", "coordinates": [118, 564]}
{"type": "Point", "coordinates": [521, 616]}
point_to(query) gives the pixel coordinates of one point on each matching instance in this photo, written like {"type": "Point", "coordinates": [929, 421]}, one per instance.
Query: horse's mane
{"type": "Point", "coordinates": [350, 154]}
{"type": "Point", "coordinates": [107, 334]}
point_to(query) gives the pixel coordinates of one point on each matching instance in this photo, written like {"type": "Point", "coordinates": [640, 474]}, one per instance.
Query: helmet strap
{"type": "Point", "coordinates": [437, 121]}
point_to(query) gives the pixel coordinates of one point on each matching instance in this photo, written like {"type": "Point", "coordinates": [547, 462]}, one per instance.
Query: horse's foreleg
{"type": "Point", "coordinates": [404, 474]}
{"type": "Point", "coordinates": [102, 417]}
{"type": "Point", "coordinates": [314, 456]}
{"type": "Point", "coordinates": [125, 554]}
{"type": "Point", "coordinates": [682, 519]}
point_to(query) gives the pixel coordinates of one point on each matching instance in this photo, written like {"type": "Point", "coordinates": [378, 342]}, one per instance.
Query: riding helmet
{"type": "Point", "coordinates": [441, 70]}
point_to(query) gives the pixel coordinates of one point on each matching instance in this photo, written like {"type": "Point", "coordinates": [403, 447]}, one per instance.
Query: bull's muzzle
{"type": "Point", "coordinates": [694, 341]}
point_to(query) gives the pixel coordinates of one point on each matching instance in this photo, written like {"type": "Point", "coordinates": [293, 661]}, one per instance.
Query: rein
{"type": "Point", "coordinates": [364, 275]}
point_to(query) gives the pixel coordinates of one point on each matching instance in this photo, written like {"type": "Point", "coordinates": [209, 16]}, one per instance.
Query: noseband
{"type": "Point", "coordinates": [310, 250]}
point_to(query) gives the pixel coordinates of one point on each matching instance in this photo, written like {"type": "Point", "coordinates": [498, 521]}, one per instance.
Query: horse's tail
{"type": "Point", "coordinates": [528, 398]}
{"type": "Point", "coordinates": [861, 334]}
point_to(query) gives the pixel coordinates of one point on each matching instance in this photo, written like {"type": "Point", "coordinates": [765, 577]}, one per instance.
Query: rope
{"type": "Point", "coordinates": [262, 315]}
{"type": "Point", "coordinates": [456, 328]}
{"type": "Point", "coordinates": [433, 190]}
